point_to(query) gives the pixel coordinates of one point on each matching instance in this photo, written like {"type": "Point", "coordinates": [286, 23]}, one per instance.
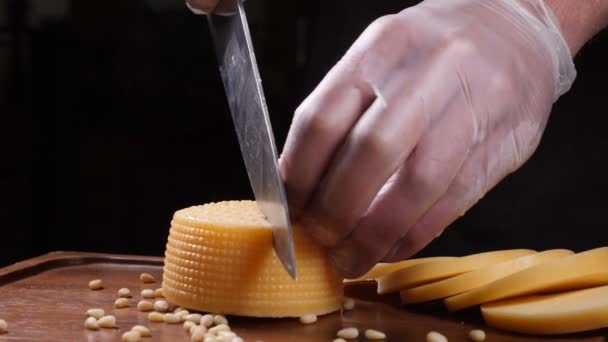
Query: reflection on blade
{"type": "Point", "coordinates": [243, 87]}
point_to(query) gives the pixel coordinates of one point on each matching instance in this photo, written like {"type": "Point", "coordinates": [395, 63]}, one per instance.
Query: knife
{"type": "Point", "coordinates": [243, 86]}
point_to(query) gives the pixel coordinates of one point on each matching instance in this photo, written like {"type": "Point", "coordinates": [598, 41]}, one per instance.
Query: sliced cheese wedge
{"type": "Point", "coordinates": [577, 271]}
{"type": "Point", "coordinates": [470, 280]}
{"type": "Point", "coordinates": [219, 259]}
{"type": "Point", "coordinates": [382, 269]}
{"type": "Point", "coordinates": [441, 269]}
{"type": "Point", "coordinates": [560, 313]}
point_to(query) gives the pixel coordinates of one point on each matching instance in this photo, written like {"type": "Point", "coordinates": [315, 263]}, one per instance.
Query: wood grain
{"type": "Point", "coordinates": [45, 299]}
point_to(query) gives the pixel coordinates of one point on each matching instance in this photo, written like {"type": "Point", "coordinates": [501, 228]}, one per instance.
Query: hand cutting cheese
{"type": "Point", "coordinates": [426, 112]}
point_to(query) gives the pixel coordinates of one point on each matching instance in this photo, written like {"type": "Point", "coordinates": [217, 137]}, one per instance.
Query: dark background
{"type": "Point", "coordinates": [113, 116]}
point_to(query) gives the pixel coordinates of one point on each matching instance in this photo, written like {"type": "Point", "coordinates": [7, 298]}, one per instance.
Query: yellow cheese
{"type": "Point", "coordinates": [220, 259]}
{"type": "Point", "coordinates": [470, 280]}
{"type": "Point", "coordinates": [561, 313]}
{"type": "Point", "coordinates": [573, 272]}
{"type": "Point", "coordinates": [441, 269]}
{"type": "Point", "coordinates": [383, 268]}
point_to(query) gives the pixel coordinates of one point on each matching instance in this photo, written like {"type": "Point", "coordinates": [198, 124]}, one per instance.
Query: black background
{"type": "Point", "coordinates": [113, 116]}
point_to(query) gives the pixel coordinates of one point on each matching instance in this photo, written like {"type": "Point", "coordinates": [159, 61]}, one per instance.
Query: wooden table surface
{"type": "Point", "coordinates": [46, 298]}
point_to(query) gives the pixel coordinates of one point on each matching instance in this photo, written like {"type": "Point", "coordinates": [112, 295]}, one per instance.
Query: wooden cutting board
{"type": "Point", "coordinates": [46, 298]}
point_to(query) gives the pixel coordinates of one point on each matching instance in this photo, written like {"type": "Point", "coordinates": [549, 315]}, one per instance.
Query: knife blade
{"type": "Point", "coordinates": [243, 86]}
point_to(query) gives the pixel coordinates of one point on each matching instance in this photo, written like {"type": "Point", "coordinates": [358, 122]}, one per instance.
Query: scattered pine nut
{"type": "Point", "coordinates": [237, 339]}
{"type": "Point", "coordinates": [477, 335]}
{"type": "Point", "coordinates": [219, 319]}
{"type": "Point", "coordinates": [198, 333]}
{"type": "Point", "coordinates": [121, 303]}
{"type": "Point", "coordinates": [220, 327]}
{"type": "Point", "coordinates": [207, 320]}
{"type": "Point", "coordinates": [373, 334]}
{"type": "Point", "coordinates": [145, 306]}
{"type": "Point", "coordinates": [91, 323]}
{"type": "Point", "coordinates": [348, 333]}
{"type": "Point", "coordinates": [159, 292]}
{"type": "Point", "coordinates": [124, 293]}
{"type": "Point", "coordinates": [108, 321]}
{"type": "Point", "coordinates": [339, 339]}
{"type": "Point", "coordinates": [147, 293]}
{"type": "Point", "coordinates": [161, 306]}
{"type": "Point", "coordinates": [173, 318]}
{"type": "Point", "coordinates": [156, 317]}
{"type": "Point", "coordinates": [97, 313]}
{"type": "Point", "coordinates": [178, 309]}
{"type": "Point", "coordinates": [3, 326]}
{"type": "Point", "coordinates": [210, 338]}
{"type": "Point", "coordinates": [96, 284]}
{"type": "Point", "coordinates": [434, 336]}
{"type": "Point", "coordinates": [229, 335]}
{"type": "Point", "coordinates": [131, 336]}
{"type": "Point", "coordinates": [308, 319]}
{"type": "Point", "coordinates": [183, 313]}
{"type": "Point", "coordinates": [147, 278]}
{"type": "Point", "coordinates": [188, 325]}
{"type": "Point", "coordinates": [349, 304]}
{"type": "Point", "coordinates": [196, 318]}
{"type": "Point", "coordinates": [143, 330]}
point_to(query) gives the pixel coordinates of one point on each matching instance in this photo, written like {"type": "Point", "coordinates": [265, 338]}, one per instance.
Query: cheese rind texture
{"type": "Point", "coordinates": [470, 280]}
{"type": "Point", "coordinates": [442, 269]}
{"type": "Point", "coordinates": [582, 270]}
{"type": "Point", "coordinates": [220, 259]}
{"type": "Point", "coordinates": [561, 313]}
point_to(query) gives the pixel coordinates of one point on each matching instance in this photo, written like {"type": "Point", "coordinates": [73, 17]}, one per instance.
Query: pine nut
{"type": "Point", "coordinates": [147, 293]}
{"type": "Point", "coordinates": [434, 336]}
{"type": "Point", "coordinates": [147, 278]}
{"type": "Point", "coordinates": [159, 292]}
{"type": "Point", "coordinates": [96, 284]}
{"type": "Point", "coordinates": [188, 325]}
{"type": "Point", "coordinates": [196, 318]}
{"type": "Point", "coordinates": [349, 304]}
{"type": "Point", "coordinates": [161, 306]}
{"type": "Point", "coordinates": [3, 326]}
{"type": "Point", "coordinates": [477, 335]}
{"type": "Point", "coordinates": [210, 338]}
{"type": "Point", "coordinates": [143, 330]}
{"type": "Point", "coordinates": [348, 333]}
{"type": "Point", "coordinates": [237, 339]}
{"type": "Point", "coordinates": [90, 323]}
{"type": "Point", "coordinates": [121, 303]}
{"type": "Point", "coordinates": [97, 313]}
{"type": "Point", "coordinates": [131, 336]}
{"type": "Point", "coordinates": [308, 319]}
{"type": "Point", "coordinates": [373, 334]}
{"type": "Point", "coordinates": [339, 340]}
{"type": "Point", "coordinates": [198, 333]}
{"type": "Point", "coordinates": [156, 317]}
{"type": "Point", "coordinates": [108, 321]}
{"type": "Point", "coordinates": [173, 318]}
{"type": "Point", "coordinates": [178, 309]}
{"type": "Point", "coordinates": [183, 313]}
{"type": "Point", "coordinates": [207, 320]}
{"type": "Point", "coordinates": [145, 306]}
{"type": "Point", "coordinates": [218, 328]}
{"type": "Point", "coordinates": [124, 293]}
{"type": "Point", "coordinates": [219, 319]}
{"type": "Point", "coordinates": [227, 334]}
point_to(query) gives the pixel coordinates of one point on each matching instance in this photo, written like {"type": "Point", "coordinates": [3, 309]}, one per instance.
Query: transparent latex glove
{"type": "Point", "coordinates": [425, 113]}
{"type": "Point", "coordinates": [212, 6]}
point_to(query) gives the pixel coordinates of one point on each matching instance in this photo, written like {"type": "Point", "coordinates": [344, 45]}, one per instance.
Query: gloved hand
{"type": "Point", "coordinates": [426, 112]}
{"type": "Point", "coordinates": [212, 6]}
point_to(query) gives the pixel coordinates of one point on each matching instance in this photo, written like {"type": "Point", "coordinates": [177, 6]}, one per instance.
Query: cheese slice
{"type": "Point", "coordinates": [220, 259]}
{"type": "Point", "coordinates": [441, 269]}
{"type": "Point", "coordinates": [470, 280]}
{"type": "Point", "coordinates": [384, 268]}
{"type": "Point", "coordinates": [577, 271]}
{"type": "Point", "coordinates": [561, 313]}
